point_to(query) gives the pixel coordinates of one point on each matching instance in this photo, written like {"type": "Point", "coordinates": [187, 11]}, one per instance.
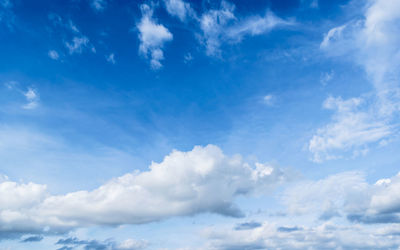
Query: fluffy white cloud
{"type": "Point", "coordinates": [152, 37]}
{"type": "Point", "coordinates": [179, 8]}
{"type": "Point", "coordinates": [184, 183]}
{"type": "Point", "coordinates": [353, 126]}
{"type": "Point", "coordinates": [221, 25]}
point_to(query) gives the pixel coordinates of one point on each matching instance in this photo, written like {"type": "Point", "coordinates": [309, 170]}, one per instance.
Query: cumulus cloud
{"type": "Point", "coordinates": [354, 125]}
{"type": "Point", "coordinates": [221, 25]}
{"type": "Point", "coordinates": [184, 183]}
{"type": "Point", "coordinates": [152, 37]}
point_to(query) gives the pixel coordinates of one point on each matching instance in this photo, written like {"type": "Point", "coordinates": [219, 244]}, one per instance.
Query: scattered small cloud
{"type": "Point", "coordinates": [188, 58]}
{"type": "Point", "coordinates": [152, 37]}
{"type": "Point", "coordinates": [77, 43]}
{"type": "Point", "coordinates": [269, 100]}
{"type": "Point", "coordinates": [111, 58]}
{"type": "Point", "coordinates": [53, 54]}
{"type": "Point", "coordinates": [180, 9]}
{"type": "Point", "coordinates": [326, 77]}
{"type": "Point", "coordinates": [34, 238]}
{"type": "Point", "coordinates": [32, 98]}
{"type": "Point", "coordinates": [247, 225]}
{"type": "Point", "coordinates": [98, 5]}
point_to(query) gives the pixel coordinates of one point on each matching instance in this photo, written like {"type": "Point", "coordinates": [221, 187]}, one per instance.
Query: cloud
{"type": "Point", "coordinates": [111, 58]}
{"type": "Point", "coordinates": [220, 26]}
{"type": "Point", "coordinates": [326, 77]}
{"type": "Point", "coordinates": [184, 183]}
{"type": "Point", "coordinates": [373, 43]}
{"type": "Point", "coordinates": [7, 16]}
{"type": "Point", "coordinates": [32, 98]}
{"type": "Point", "coordinates": [152, 37]}
{"type": "Point", "coordinates": [247, 225]}
{"type": "Point", "coordinates": [269, 100]}
{"type": "Point", "coordinates": [53, 54]}
{"type": "Point", "coordinates": [129, 244]}
{"type": "Point", "coordinates": [347, 195]}
{"type": "Point", "coordinates": [325, 235]}
{"type": "Point", "coordinates": [34, 238]}
{"type": "Point", "coordinates": [354, 125]}
{"type": "Point", "coordinates": [77, 43]}
{"type": "Point", "coordinates": [179, 8]}
{"type": "Point", "coordinates": [98, 5]}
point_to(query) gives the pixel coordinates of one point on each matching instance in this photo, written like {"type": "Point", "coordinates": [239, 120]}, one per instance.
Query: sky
{"type": "Point", "coordinates": [208, 124]}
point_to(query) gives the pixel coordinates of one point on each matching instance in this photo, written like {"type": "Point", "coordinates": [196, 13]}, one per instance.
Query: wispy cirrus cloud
{"type": "Point", "coordinates": [76, 43]}
{"type": "Point", "coordinates": [373, 43]}
{"type": "Point", "coordinates": [220, 26]}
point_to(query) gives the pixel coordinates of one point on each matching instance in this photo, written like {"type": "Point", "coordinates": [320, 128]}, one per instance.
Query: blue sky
{"type": "Point", "coordinates": [178, 124]}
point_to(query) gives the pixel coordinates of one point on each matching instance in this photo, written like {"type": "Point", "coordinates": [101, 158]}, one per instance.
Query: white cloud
{"type": "Point", "coordinates": [188, 58]}
{"type": "Point", "coordinates": [78, 44]}
{"type": "Point", "coordinates": [6, 14]}
{"type": "Point", "coordinates": [372, 42]}
{"type": "Point", "coordinates": [184, 183]}
{"type": "Point", "coordinates": [326, 77]}
{"type": "Point", "coordinates": [329, 212]}
{"type": "Point", "coordinates": [152, 37]}
{"type": "Point", "coordinates": [354, 125]}
{"type": "Point", "coordinates": [221, 25]}
{"type": "Point", "coordinates": [347, 195]}
{"type": "Point", "coordinates": [98, 5]}
{"type": "Point", "coordinates": [32, 98]}
{"type": "Point", "coordinates": [325, 235]}
{"type": "Point", "coordinates": [179, 8]}
{"type": "Point", "coordinates": [111, 58]}
{"type": "Point", "coordinates": [129, 244]}
{"type": "Point", "coordinates": [269, 100]}
{"type": "Point", "coordinates": [53, 54]}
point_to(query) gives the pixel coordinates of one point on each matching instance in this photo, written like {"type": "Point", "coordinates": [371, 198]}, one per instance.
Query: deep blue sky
{"type": "Point", "coordinates": [91, 90]}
